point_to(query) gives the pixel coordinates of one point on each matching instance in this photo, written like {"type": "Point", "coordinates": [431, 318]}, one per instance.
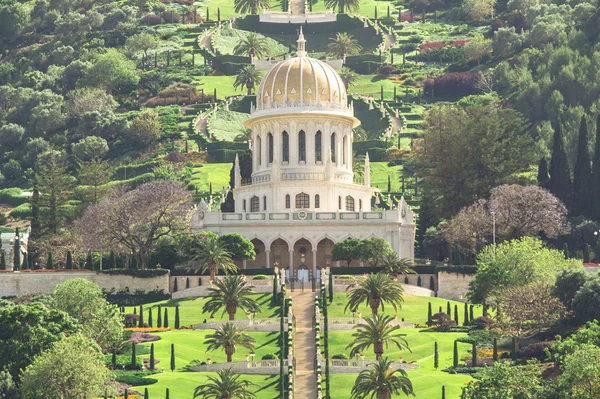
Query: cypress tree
{"type": "Point", "coordinates": [443, 392]}
{"type": "Point", "coordinates": [187, 282]}
{"type": "Point", "coordinates": [177, 317]}
{"type": "Point", "coordinates": [419, 281]}
{"type": "Point", "coordinates": [17, 251]}
{"type": "Point", "coordinates": [25, 264]}
{"type": "Point", "coordinates": [150, 321]}
{"type": "Point", "coordinates": [474, 355]}
{"type": "Point", "coordinates": [466, 316]}
{"type": "Point", "coordinates": [167, 394]}
{"type": "Point", "coordinates": [429, 314]}
{"type": "Point", "coordinates": [381, 94]}
{"type": "Point", "coordinates": [159, 318]}
{"type": "Point", "coordinates": [513, 349]}
{"type": "Point", "coordinates": [175, 285]}
{"type": "Point", "coordinates": [146, 393]}
{"type": "Point", "coordinates": [440, 310]}
{"type": "Point", "coordinates": [389, 188]}
{"type": "Point", "coordinates": [112, 260]}
{"type": "Point", "coordinates": [141, 316]}
{"type": "Point", "coordinates": [495, 355]}
{"type": "Point", "coordinates": [151, 356]}
{"type": "Point", "coordinates": [134, 310]}
{"type": "Point", "coordinates": [166, 319]}
{"type": "Point", "coordinates": [436, 355]}
{"type": "Point", "coordinates": [431, 283]}
{"type": "Point", "coordinates": [218, 14]}
{"type": "Point", "coordinates": [587, 254]}
{"type": "Point", "coordinates": [471, 313]}
{"type": "Point", "coordinates": [113, 361]}
{"type": "Point", "coordinates": [456, 314]}
{"type": "Point", "coordinates": [49, 262]}
{"type": "Point", "coordinates": [595, 174]}
{"type": "Point", "coordinates": [133, 357]}
{"type": "Point", "coordinates": [215, 95]}
{"type": "Point", "coordinates": [89, 262]}
{"type": "Point", "coordinates": [582, 174]}
{"type": "Point", "coordinates": [330, 287]}
{"type": "Point", "coordinates": [405, 279]}
{"type": "Point", "coordinates": [126, 394]}
{"type": "Point", "coordinates": [455, 354]}
{"type": "Point", "coordinates": [566, 251]}
{"type": "Point", "coordinates": [428, 217]}
{"type": "Point", "coordinates": [560, 175]}
{"type": "Point", "coordinates": [2, 260]}
{"type": "Point", "coordinates": [448, 309]}
{"type": "Point", "coordinates": [172, 357]}
{"type": "Point", "coordinates": [542, 176]}
{"type": "Point", "coordinates": [69, 264]}
{"type": "Point", "coordinates": [36, 229]}
{"type": "Point", "coordinates": [274, 297]}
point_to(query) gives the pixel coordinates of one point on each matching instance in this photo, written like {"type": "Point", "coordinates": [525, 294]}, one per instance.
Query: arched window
{"type": "Point", "coordinates": [285, 146]}
{"type": "Point", "coordinates": [288, 204]}
{"type": "Point", "coordinates": [302, 146]}
{"type": "Point", "coordinates": [259, 150]}
{"type": "Point", "coordinates": [318, 147]}
{"type": "Point", "coordinates": [254, 204]}
{"type": "Point", "coordinates": [340, 202]}
{"type": "Point", "coordinates": [317, 201]}
{"type": "Point", "coordinates": [349, 203]}
{"type": "Point", "coordinates": [244, 206]}
{"type": "Point", "coordinates": [265, 203]}
{"type": "Point", "coordinates": [333, 147]}
{"type": "Point", "coordinates": [302, 201]}
{"type": "Point", "coordinates": [270, 136]}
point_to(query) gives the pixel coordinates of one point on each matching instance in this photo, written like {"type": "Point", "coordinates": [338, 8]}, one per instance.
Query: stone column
{"type": "Point", "coordinates": [291, 265]}
{"type": "Point", "coordinates": [314, 265]}
{"type": "Point", "coordinates": [268, 255]}
{"type": "Point", "coordinates": [339, 144]}
{"type": "Point", "coordinates": [244, 264]}
{"type": "Point", "coordinates": [265, 150]}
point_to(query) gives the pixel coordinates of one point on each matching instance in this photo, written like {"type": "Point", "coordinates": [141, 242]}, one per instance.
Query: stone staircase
{"type": "Point", "coordinates": [305, 383]}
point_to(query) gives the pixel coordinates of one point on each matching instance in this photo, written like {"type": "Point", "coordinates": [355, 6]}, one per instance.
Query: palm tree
{"type": "Point", "coordinates": [211, 255]}
{"type": "Point", "coordinates": [252, 6]}
{"type": "Point", "coordinates": [230, 293]}
{"type": "Point", "coordinates": [382, 382]}
{"type": "Point", "coordinates": [349, 77]}
{"type": "Point", "coordinates": [226, 385]}
{"type": "Point", "coordinates": [342, 5]}
{"type": "Point", "coordinates": [247, 76]}
{"type": "Point", "coordinates": [378, 331]}
{"type": "Point", "coordinates": [228, 337]}
{"type": "Point", "coordinates": [344, 44]}
{"type": "Point", "coordinates": [253, 45]}
{"type": "Point", "coordinates": [393, 264]}
{"type": "Point", "coordinates": [374, 290]}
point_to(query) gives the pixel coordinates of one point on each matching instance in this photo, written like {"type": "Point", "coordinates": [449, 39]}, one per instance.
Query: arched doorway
{"type": "Point", "coordinates": [303, 254]}
{"type": "Point", "coordinates": [279, 255]}
{"type": "Point", "coordinates": [261, 255]}
{"type": "Point", "coordinates": [303, 274]}
{"type": "Point", "coordinates": [324, 248]}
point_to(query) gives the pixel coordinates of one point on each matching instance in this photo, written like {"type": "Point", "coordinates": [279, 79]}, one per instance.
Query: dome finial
{"type": "Point", "coordinates": [301, 44]}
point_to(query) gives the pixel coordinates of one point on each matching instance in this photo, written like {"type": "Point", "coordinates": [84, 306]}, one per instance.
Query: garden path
{"type": "Point", "coordinates": [305, 385]}
{"type": "Point", "coordinates": [298, 7]}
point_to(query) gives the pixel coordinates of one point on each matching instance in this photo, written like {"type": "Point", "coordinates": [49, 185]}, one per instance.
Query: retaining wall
{"type": "Point", "coordinates": [453, 285]}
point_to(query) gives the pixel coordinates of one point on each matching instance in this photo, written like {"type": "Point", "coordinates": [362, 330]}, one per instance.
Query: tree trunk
{"type": "Point", "coordinates": [378, 349]}
{"type": "Point", "coordinates": [341, 7]}
{"type": "Point", "coordinates": [213, 271]}
{"type": "Point", "coordinates": [229, 352]}
{"type": "Point", "coordinates": [374, 304]}
{"type": "Point", "coordinates": [384, 394]}
{"type": "Point", "coordinates": [231, 310]}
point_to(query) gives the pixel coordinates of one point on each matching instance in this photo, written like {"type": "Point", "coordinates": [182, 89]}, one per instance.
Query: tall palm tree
{"type": "Point", "coordinates": [253, 45]}
{"type": "Point", "coordinates": [211, 255]}
{"type": "Point", "coordinates": [230, 293]}
{"type": "Point", "coordinates": [244, 137]}
{"type": "Point", "coordinates": [382, 382]}
{"type": "Point", "coordinates": [349, 77]}
{"type": "Point", "coordinates": [343, 5]}
{"type": "Point", "coordinates": [374, 290]}
{"type": "Point", "coordinates": [226, 385]}
{"type": "Point", "coordinates": [227, 338]}
{"type": "Point", "coordinates": [393, 264]}
{"type": "Point", "coordinates": [247, 76]}
{"type": "Point", "coordinates": [344, 44]}
{"type": "Point", "coordinates": [250, 6]}
{"type": "Point", "coordinates": [378, 331]}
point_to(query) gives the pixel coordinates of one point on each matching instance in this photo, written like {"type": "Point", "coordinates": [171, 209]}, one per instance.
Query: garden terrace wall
{"type": "Point", "coordinates": [27, 283]}
{"type": "Point", "coordinates": [453, 285]}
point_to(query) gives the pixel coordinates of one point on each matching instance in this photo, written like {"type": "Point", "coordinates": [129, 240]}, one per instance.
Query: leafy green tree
{"type": "Point", "coordinates": [568, 283]}
{"type": "Point", "coordinates": [8, 388]}
{"type": "Point", "coordinates": [226, 384]}
{"type": "Point", "coordinates": [84, 301]}
{"type": "Point", "coordinates": [589, 335]}
{"type": "Point", "coordinates": [503, 381]}
{"type": "Point", "coordinates": [228, 337]}
{"type": "Point", "coordinates": [35, 324]}
{"type": "Point", "coordinates": [374, 249]}
{"type": "Point", "coordinates": [90, 99]}
{"type": "Point", "coordinates": [145, 129]}
{"type": "Point", "coordinates": [581, 373]}
{"type": "Point", "coordinates": [506, 41]}
{"type": "Point", "coordinates": [477, 48]}
{"type": "Point", "coordinates": [374, 290]}
{"type": "Point", "coordinates": [343, 6]}
{"type": "Point", "coordinates": [94, 174]}
{"type": "Point", "coordinates": [346, 250]}
{"type": "Point", "coordinates": [253, 45]}
{"type": "Point", "coordinates": [90, 147]}
{"type": "Point", "coordinates": [11, 136]}
{"type": "Point", "coordinates": [382, 381]}
{"type": "Point", "coordinates": [250, 6]}
{"type": "Point", "coordinates": [238, 246]}
{"type": "Point", "coordinates": [595, 179]}
{"type": "Point", "coordinates": [53, 183]}
{"type": "Point", "coordinates": [586, 302]}
{"type": "Point", "coordinates": [229, 294]}
{"type": "Point", "coordinates": [582, 175]}
{"type": "Point", "coordinates": [13, 21]}
{"type": "Point", "coordinates": [143, 42]}
{"type": "Point", "coordinates": [379, 332]}
{"type": "Point", "coordinates": [560, 174]}
{"type": "Point", "coordinates": [342, 45]}
{"type": "Point", "coordinates": [249, 77]}
{"type": "Point", "coordinates": [212, 255]}
{"type": "Point", "coordinates": [56, 373]}
{"type": "Point", "coordinates": [113, 71]}
{"type": "Point", "coordinates": [516, 263]}
{"type": "Point", "coordinates": [479, 10]}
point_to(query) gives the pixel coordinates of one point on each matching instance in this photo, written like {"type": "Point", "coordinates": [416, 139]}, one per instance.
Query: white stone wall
{"type": "Point", "coordinates": [26, 283]}
{"type": "Point", "coordinates": [453, 285]}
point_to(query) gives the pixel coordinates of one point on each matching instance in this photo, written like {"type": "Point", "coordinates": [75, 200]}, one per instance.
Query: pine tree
{"type": "Point", "coordinates": [69, 264]}
{"type": "Point", "coordinates": [495, 353]}
{"type": "Point", "coordinates": [542, 176]}
{"type": "Point", "coordinates": [159, 317]}
{"type": "Point", "coordinates": [428, 217]}
{"type": "Point", "coordinates": [172, 357]}
{"type": "Point", "coordinates": [596, 173]}
{"type": "Point", "coordinates": [141, 325]}
{"type": "Point", "coordinates": [455, 354]}
{"type": "Point", "coordinates": [466, 316]}
{"type": "Point", "coordinates": [582, 174]}
{"type": "Point", "coordinates": [560, 175]}
{"type": "Point", "coordinates": [456, 314]}
{"type": "Point", "coordinates": [89, 262]}
{"type": "Point", "coordinates": [53, 181]}
{"type": "Point", "coordinates": [166, 319]}
{"type": "Point", "coordinates": [429, 314]}
{"type": "Point", "coordinates": [436, 355]}
{"type": "Point", "coordinates": [133, 357]}
{"type": "Point", "coordinates": [151, 357]}
{"type": "Point", "coordinates": [2, 260]}
{"type": "Point", "coordinates": [150, 321]}
{"type": "Point", "coordinates": [474, 355]}
{"type": "Point", "coordinates": [177, 317]}
{"type": "Point", "coordinates": [49, 262]}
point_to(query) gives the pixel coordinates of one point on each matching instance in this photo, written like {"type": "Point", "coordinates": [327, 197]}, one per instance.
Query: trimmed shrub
{"type": "Point", "coordinates": [131, 320]}
{"type": "Point", "coordinates": [22, 211]}
{"type": "Point", "coordinates": [453, 85]}
{"type": "Point", "coordinates": [535, 351]}
{"type": "Point", "coordinates": [260, 277]}
{"type": "Point", "coordinates": [269, 356]}
{"type": "Point", "coordinates": [340, 356]}
{"type": "Point", "coordinates": [140, 273]}
{"type": "Point", "coordinates": [134, 378]}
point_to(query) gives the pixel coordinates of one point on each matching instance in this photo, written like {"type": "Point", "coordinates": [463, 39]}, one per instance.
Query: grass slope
{"type": "Point", "coordinates": [227, 125]}
{"type": "Point", "coordinates": [215, 173]}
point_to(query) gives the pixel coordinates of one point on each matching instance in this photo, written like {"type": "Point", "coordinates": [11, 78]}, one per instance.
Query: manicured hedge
{"type": "Point", "coordinates": [344, 23]}
{"type": "Point", "coordinates": [463, 269]}
{"type": "Point", "coordinates": [134, 170]}
{"type": "Point", "coordinates": [22, 211]}
{"type": "Point", "coordinates": [138, 297]}
{"type": "Point", "coordinates": [12, 196]}
{"type": "Point", "coordinates": [354, 270]}
{"type": "Point", "coordinates": [247, 272]}
{"type": "Point", "coordinates": [364, 64]}
{"type": "Point", "coordinates": [361, 147]}
{"type": "Point", "coordinates": [141, 273]}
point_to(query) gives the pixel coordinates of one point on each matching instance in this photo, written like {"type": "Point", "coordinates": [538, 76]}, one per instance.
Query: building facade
{"type": "Point", "coordinates": [303, 195]}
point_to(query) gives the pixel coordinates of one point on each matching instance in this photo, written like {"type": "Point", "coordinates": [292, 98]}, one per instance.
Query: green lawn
{"type": "Point", "coordinates": [223, 84]}
{"type": "Point", "coordinates": [371, 85]}
{"type": "Point", "coordinates": [227, 125]}
{"type": "Point", "coordinates": [379, 175]}
{"type": "Point", "coordinates": [215, 173]}
{"type": "Point", "coordinates": [367, 7]}
{"type": "Point", "coordinates": [226, 7]}
{"type": "Point", "coordinates": [227, 39]}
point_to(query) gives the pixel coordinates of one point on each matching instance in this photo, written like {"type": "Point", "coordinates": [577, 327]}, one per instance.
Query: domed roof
{"type": "Point", "coordinates": [302, 81]}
